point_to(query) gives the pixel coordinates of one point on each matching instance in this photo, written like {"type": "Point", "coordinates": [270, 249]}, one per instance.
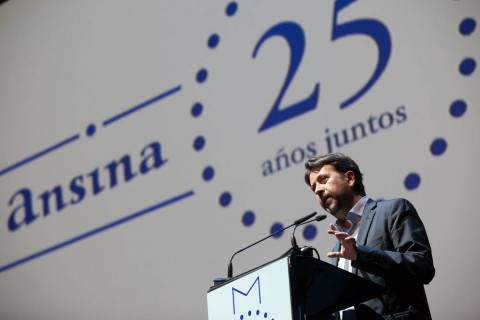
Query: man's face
{"type": "Point", "coordinates": [333, 190]}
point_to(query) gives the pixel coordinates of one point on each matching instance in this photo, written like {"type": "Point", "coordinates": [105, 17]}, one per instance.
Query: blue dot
{"type": "Point", "coordinates": [91, 129]}
{"type": "Point", "coordinates": [197, 109]}
{"type": "Point", "coordinates": [458, 108]}
{"type": "Point", "coordinates": [202, 75]}
{"type": "Point", "coordinates": [248, 218]}
{"type": "Point", "coordinates": [231, 9]}
{"type": "Point", "coordinates": [258, 312]}
{"type": "Point", "coordinates": [412, 181]}
{"type": "Point", "coordinates": [277, 226]}
{"type": "Point", "coordinates": [213, 41]}
{"type": "Point", "coordinates": [225, 199]}
{"type": "Point", "coordinates": [199, 143]}
{"type": "Point", "coordinates": [241, 317]}
{"type": "Point", "coordinates": [438, 146]}
{"type": "Point", "coordinates": [249, 313]}
{"type": "Point", "coordinates": [310, 232]}
{"type": "Point", "coordinates": [265, 315]}
{"type": "Point", "coordinates": [208, 173]}
{"type": "Point", "coordinates": [467, 26]}
{"type": "Point", "coordinates": [467, 66]}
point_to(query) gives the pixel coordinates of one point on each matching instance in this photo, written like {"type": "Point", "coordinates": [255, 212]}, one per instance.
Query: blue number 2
{"type": "Point", "coordinates": [293, 33]}
{"type": "Point", "coordinates": [371, 28]}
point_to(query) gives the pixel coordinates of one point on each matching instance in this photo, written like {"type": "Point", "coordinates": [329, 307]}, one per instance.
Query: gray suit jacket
{"type": "Point", "coordinates": [394, 252]}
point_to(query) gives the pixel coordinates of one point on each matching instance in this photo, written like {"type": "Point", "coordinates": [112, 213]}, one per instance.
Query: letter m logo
{"type": "Point", "coordinates": [247, 300]}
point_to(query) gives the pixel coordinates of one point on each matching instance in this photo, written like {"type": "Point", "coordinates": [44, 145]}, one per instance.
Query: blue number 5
{"type": "Point", "coordinates": [293, 33]}
{"type": "Point", "coordinates": [372, 28]}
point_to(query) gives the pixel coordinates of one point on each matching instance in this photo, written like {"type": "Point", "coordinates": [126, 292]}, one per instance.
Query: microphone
{"type": "Point", "coordinates": [295, 223]}
{"type": "Point", "coordinates": [302, 220]}
{"type": "Point", "coordinates": [317, 218]}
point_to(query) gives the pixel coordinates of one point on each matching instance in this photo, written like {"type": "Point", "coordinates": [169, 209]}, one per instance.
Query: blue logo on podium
{"type": "Point", "coordinates": [235, 290]}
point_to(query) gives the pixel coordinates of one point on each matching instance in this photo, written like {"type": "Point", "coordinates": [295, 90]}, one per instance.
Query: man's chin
{"type": "Point", "coordinates": [332, 209]}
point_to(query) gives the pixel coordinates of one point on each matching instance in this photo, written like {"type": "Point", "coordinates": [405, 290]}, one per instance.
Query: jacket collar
{"type": "Point", "coordinates": [367, 219]}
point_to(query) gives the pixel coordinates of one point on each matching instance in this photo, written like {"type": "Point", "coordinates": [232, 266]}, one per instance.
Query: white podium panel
{"type": "Point", "coordinates": [263, 293]}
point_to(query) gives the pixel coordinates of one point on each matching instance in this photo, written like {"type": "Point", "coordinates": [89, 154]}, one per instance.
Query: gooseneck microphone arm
{"type": "Point", "coordinates": [295, 223]}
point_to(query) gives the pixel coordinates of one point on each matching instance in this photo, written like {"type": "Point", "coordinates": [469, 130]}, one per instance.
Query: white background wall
{"type": "Point", "coordinates": [67, 65]}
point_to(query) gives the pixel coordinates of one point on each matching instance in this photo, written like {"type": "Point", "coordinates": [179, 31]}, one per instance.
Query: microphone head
{"type": "Point", "coordinates": [321, 217]}
{"type": "Point", "coordinates": [301, 220]}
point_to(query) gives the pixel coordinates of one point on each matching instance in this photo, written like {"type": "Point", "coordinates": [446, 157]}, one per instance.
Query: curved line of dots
{"type": "Point", "coordinates": [458, 108]}
{"type": "Point", "coordinates": [225, 198]}
{"type": "Point", "coordinates": [467, 65]}
{"type": "Point", "coordinates": [248, 217]}
{"type": "Point", "coordinates": [257, 315]}
{"type": "Point", "coordinates": [197, 109]}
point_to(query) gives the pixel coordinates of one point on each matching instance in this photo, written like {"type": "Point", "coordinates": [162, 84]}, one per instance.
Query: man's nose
{"type": "Point", "coordinates": [318, 189]}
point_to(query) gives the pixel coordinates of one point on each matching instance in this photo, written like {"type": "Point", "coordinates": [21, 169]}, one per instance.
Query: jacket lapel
{"type": "Point", "coordinates": [365, 225]}
{"type": "Point", "coordinates": [367, 219]}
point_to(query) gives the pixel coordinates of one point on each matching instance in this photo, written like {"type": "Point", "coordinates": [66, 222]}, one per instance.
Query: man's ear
{"type": "Point", "coordinates": [350, 176]}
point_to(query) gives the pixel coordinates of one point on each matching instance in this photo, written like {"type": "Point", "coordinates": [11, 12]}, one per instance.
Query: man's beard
{"type": "Point", "coordinates": [335, 208]}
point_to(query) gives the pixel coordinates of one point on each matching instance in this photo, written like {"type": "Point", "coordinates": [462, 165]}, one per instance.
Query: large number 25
{"type": "Point", "coordinates": [293, 33]}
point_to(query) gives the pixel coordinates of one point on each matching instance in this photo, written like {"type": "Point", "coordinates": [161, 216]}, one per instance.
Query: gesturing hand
{"type": "Point", "coordinates": [349, 245]}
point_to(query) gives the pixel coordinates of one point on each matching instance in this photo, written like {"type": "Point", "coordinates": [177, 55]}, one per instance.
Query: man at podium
{"type": "Point", "coordinates": [382, 241]}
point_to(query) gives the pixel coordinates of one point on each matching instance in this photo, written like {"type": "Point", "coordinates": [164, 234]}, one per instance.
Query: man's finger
{"type": "Point", "coordinates": [334, 254]}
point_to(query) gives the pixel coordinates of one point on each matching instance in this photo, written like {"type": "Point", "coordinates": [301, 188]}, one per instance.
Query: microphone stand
{"type": "Point", "coordinates": [295, 223]}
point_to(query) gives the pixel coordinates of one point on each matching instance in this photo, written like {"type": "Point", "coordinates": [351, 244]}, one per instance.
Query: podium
{"type": "Point", "coordinates": [294, 287]}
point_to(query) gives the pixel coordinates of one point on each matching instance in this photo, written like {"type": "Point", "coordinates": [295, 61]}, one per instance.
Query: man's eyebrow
{"type": "Point", "coordinates": [321, 176]}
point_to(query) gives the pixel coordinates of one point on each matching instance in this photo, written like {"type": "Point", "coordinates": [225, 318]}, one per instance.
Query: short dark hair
{"type": "Point", "coordinates": [342, 163]}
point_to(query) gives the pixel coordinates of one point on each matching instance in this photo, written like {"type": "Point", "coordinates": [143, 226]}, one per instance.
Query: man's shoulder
{"type": "Point", "coordinates": [385, 203]}
{"type": "Point", "coordinates": [391, 207]}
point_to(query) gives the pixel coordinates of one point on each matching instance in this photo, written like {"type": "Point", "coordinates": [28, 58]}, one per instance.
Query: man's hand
{"type": "Point", "coordinates": [349, 245]}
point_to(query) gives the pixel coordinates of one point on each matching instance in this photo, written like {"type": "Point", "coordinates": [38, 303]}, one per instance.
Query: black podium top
{"type": "Point", "coordinates": [322, 288]}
